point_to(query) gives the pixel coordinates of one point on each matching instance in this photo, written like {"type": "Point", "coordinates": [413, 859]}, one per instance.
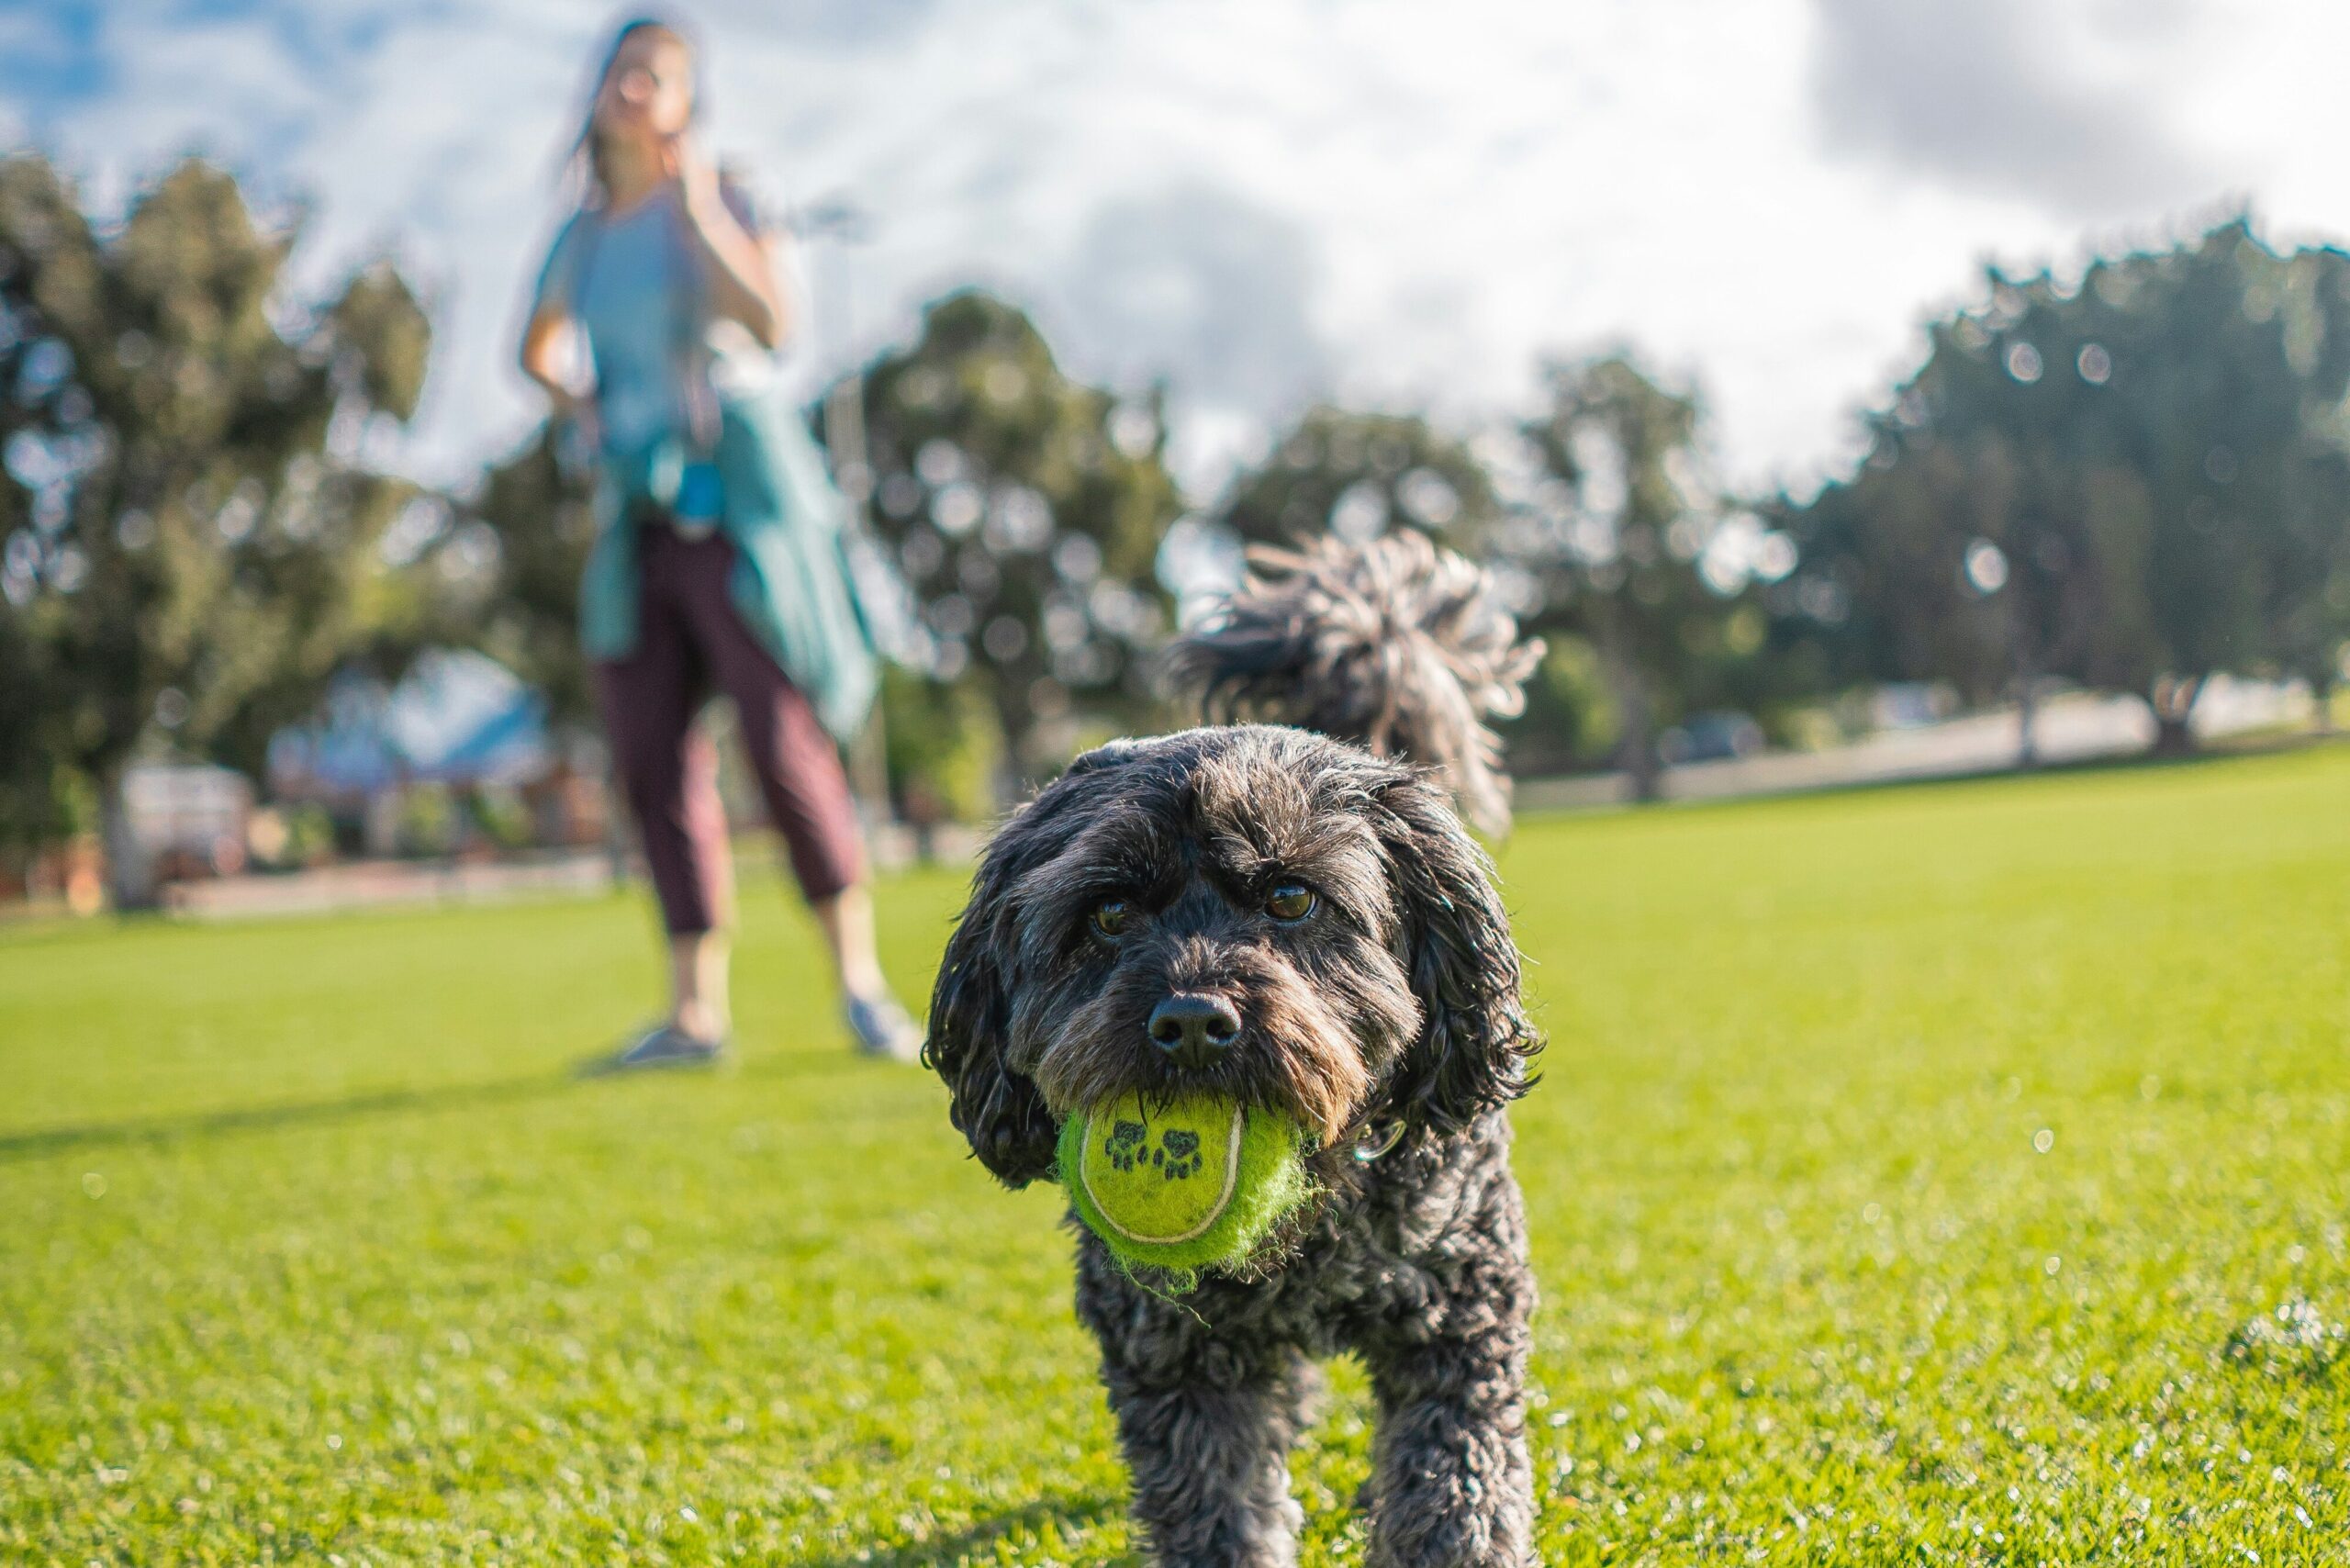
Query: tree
{"type": "Point", "coordinates": [188, 520]}
{"type": "Point", "coordinates": [1957, 564]}
{"type": "Point", "coordinates": [538, 514]}
{"type": "Point", "coordinates": [2134, 481]}
{"type": "Point", "coordinates": [2305, 590]}
{"type": "Point", "coordinates": [1618, 535]}
{"type": "Point", "coordinates": [1026, 510]}
{"type": "Point", "coordinates": [1354, 474]}
{"type": "Point", "coordinates": [1880, 590]}
{"type": "Point", "coordinates": [943, 752]}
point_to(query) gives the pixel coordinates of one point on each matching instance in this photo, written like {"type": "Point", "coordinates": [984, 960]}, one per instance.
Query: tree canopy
{"type": "Point", "coordinates": [1025, 510]}
{"type": "Point", "coordinates": [1619, 534]}
{"type": "Point", "coordinates": [190, 508]}
{"type": "Point", "coordinates": [1355, 474]}
{"type": "Point", "coordinates": [2134, 480]}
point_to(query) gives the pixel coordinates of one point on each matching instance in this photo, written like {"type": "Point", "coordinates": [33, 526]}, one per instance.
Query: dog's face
{"type": "Point", "coordinates": [1253, 912]}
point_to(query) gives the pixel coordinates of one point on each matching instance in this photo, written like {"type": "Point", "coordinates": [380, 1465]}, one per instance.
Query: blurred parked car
{"type": "Point", "coordinates": [1911, 704]}
{"type": "Point", "coordinates": [1711, 737]}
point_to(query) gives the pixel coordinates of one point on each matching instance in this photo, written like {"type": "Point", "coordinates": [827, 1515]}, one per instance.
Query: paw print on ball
{"type": "Point", "coordinates": [1178, 1154]}
{"type": "Point", "coordinates": [1124, 1146]}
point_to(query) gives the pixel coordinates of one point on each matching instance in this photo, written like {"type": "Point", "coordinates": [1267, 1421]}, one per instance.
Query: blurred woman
{"type": "Point", "coordinates": [718, 564]}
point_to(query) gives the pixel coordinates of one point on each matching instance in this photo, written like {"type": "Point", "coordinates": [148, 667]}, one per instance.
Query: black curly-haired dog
{"type": "Point", "coordinates": [1327, 937]}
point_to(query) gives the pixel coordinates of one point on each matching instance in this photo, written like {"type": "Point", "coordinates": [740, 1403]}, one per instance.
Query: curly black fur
{"type": "Point", "coordinates": [1395, 644]}
{"type": "Point", "coordinates": [1393, 1004]}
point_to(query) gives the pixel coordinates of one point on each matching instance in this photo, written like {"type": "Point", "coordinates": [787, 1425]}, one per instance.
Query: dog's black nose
{"type": "Point", "coordinates": [1194, 1029]}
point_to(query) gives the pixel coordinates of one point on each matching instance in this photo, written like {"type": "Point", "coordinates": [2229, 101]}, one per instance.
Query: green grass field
{"type": "Point", "coordinates": [1918, 1177]}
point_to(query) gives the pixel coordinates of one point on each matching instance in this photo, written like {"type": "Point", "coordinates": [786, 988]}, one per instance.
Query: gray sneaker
{"type": "Point", "coordinates": [882, 1028]}
{"type": "Point", "coordinates": [663, 1045]}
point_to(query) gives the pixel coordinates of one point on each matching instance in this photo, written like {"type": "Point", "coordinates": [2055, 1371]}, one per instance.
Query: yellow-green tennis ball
{"type": "Point", "coordinates": [1186, 1184]}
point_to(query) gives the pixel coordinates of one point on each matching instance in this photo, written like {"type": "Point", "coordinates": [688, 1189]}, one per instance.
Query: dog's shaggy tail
{"type": "Point", "coordinates": [1395, 644]}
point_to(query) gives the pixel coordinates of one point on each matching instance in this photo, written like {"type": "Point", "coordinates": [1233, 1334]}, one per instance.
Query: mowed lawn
{"type": "Point", "coordinates": [1949, 1174]}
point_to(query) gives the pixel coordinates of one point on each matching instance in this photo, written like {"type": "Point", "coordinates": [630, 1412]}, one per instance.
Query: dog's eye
{"type": "Point", "coordinates": [1290, 902]}
{"type": "Point", "coordinates": [1110, 917]}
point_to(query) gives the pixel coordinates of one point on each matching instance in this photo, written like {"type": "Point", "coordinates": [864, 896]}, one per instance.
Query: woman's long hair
{"type": "Point", "coordinates": [584, 164]}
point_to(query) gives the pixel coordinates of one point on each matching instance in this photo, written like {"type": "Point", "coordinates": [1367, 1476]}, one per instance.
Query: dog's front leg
{"type": "Point", "coordinates": [1451, 1484]}
{"type": "Point", "coordinates": [1210, 1474]}
{"type": "Point", "coordinates": [1206, 1428]}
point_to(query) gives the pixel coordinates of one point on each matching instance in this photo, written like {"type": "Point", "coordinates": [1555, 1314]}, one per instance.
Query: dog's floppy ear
{"type": "Point", "coordinates": [998, 1109]}
{"type": "Point", "coordinates": [995, 1108]}
{"type": "Point", "coordinates": [1476, 1041]}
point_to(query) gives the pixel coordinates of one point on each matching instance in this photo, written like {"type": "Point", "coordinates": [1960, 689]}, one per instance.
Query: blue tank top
{"type": "Point", "coordinates": [633, 282]}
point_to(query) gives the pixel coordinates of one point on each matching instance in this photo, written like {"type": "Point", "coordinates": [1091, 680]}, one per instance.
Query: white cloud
{"type": "Point", "coordinates": [1270, 197]}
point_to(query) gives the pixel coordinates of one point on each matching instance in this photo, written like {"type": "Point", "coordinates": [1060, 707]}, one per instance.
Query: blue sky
{"type": "Point", "coordinates": [1270, 200]}
{"type": "Point", "coordinates": [64, 57]}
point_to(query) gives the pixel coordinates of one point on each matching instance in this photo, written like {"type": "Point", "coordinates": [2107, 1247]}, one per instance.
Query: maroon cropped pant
{"type": "Point", "coordinates": [691, 642]}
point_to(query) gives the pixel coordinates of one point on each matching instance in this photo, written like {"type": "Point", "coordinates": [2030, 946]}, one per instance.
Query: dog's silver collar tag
{"type": "Point", "coordinates": [1377, 1140]}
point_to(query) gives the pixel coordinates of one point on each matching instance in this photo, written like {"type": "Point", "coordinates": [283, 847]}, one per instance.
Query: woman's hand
{"type": "Point", "coordinates": [742, 271]}
{"type": "Point", "coordinates": [696, 178]}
